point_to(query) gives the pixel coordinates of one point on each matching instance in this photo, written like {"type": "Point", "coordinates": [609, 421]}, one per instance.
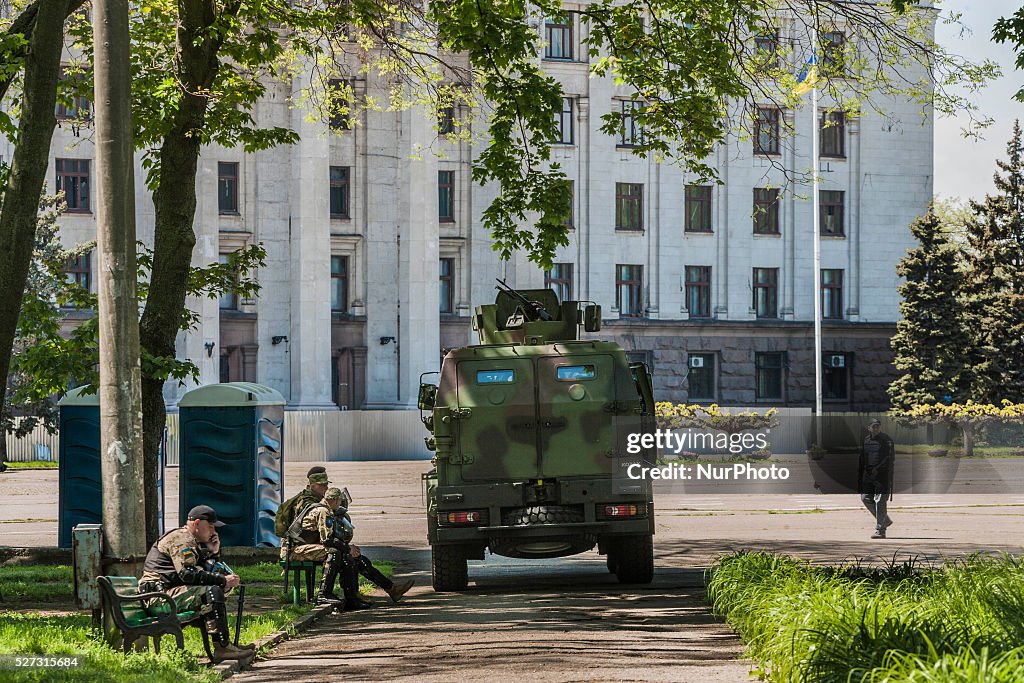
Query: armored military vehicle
{"type": "Point", "coordinates": [529, 429]}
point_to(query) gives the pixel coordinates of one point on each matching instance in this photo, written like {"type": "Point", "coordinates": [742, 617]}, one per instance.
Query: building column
{"type": "Point", "coordinates": [854, 263]}
{"type": "Point", "coordinates": [403, 318]}
{"type": "Point", "coordinates": [788, 307]}
{"type": "Point", "coordinates": [309, 337]}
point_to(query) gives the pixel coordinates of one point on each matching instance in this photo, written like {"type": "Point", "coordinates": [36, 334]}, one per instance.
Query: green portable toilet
{"type": "Point", "coordinates": [231, 458]}
{"type": "Point", "coordinates": [80, 482]}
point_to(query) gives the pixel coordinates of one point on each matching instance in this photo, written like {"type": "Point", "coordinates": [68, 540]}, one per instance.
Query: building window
{"type": "Point", "coordinates": [227, 188]}
{"type": "Point", "coordinates": [832, 293]}
{"type": "Point", "coordinates": [831, 203]}
{"type": "Point", "coordinates": [698, 291]}
{"type": "Point", "coordinates": [768, 369]}
{"type": "Point", "coordinates": [700, 376]}
{"type": "Point", "coordinates": [835, 378]}
{"type": "Point", "coordinates": [339, 284]}
{"type": "Point", "coordinates": [446, 196]}
{"type": "Point", "coordinates": [225, 368]}
{"type": "Point", "coordinates": [698, 208]}
{"type": "Point", "coordinates": [559, 278]}
{"type": "Point", "coordinates": [79, 271]}
{"type": "Point", "coordinates": [766, 131]}
{"type": "Point", "coordinates": [766, 48]}
{"type": "Point", "coordinates": [339, 105]}
{"type": "Point", "coordinates": [228, 298]}
{"type": "Point", "coordinates": [559, 39]}
{"type": "Point", "coordinates": [629, 206]}
{"type": "Point", "coordinates": [447, 279]}
{"type": "Point", "coordinates": [73, 180]}
{"type": "Point", "coordinates": [446, 121]}
{"type": "Point", "coordinates": [629, 287]}
{"type": "Point", "coordinates": [630, 133]}
{"type": "Point", "coordinates": [766, 292]}
{"type": "Point", "coordinates": [833, 47]}
{"type": "Point", "coordinates": [73, 106]}
{"type": "Point", "coordinates": [833, 134]}
{"type": "Point", "coordinates": [339, 192]}
{"type": "Point", "coordinates": [766, 211]}
{"type": "Point", "coordinates": [564, 123]}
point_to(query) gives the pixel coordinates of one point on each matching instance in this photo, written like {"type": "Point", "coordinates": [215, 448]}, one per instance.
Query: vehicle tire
{"type": "Point", "coordinates": [449, 572]}
{"type": "Point", "coordinates": [610, 561]}
{"type": "Point", "coordinates": [634, 559]}
{"type": "Point", "coordinates": [559, 544]}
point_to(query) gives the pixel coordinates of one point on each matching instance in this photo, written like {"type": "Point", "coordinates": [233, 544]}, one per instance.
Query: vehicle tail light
{"type": "Point", "coordinates": [467, 517]}
{"type": "Point", "coordinates": [621, 511]}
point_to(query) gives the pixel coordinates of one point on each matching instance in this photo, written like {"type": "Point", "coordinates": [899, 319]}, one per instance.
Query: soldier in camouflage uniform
{"type": "Point", "coordinates": [325, 533]}
{"type": "Point", "coordinates": [174, 566]}
{"type": "Point", "coordinates": [311, 495]}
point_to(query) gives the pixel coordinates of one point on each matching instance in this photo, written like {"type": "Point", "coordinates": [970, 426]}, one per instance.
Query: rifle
{"type": "Point", "coordinates": [221, 567]}
{"type": "Point", "coordinates": [531, 309]}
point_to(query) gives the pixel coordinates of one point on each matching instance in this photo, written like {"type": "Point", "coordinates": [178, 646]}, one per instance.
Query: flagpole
{"type": "Point", "coordinates": [816, 209]}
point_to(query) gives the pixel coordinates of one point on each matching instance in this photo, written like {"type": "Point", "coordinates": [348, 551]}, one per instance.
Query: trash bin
{"type": "Point", "coordinates": [80, 482]}
{"type": "Point", "coordinates": [231, 458]}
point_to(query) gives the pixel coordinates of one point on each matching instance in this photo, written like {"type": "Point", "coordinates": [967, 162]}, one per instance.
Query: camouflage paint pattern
{"type": "Point", "coordinates": [504, 421]}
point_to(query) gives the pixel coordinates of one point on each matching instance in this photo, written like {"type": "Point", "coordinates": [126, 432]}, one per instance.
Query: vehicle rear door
{"type": "Point", "coordinates": [576, 407]}
{"type": "Point", "coordinates": [496, 419]}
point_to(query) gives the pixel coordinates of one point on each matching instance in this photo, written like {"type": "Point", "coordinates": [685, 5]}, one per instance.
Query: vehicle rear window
{"type": "Point", "coordinates": [575, 372]}
{"type": "Point", "coordinates": [495, 376]}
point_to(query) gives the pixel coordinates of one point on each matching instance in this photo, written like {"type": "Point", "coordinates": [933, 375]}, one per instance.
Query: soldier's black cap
{"type": "Point", "coordinates": [874, 422]}
{"type": "Point", "coordinates": [205, 512]}
{"type": "Point", "coordinates": [319, 469]}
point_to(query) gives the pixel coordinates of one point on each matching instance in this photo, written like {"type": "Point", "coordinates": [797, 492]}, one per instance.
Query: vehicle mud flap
{"type": "Point", "coordinates": [632, 558]}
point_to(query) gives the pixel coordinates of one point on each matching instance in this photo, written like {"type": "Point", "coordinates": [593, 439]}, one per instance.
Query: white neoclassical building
{"type": "Point", "coordinates": [376, 255]}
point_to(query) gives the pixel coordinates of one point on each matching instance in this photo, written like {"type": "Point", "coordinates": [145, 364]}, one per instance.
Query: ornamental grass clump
{"type": "Point", "coordinates": [900, 623]}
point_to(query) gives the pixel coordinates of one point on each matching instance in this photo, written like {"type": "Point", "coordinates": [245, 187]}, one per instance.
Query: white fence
{"type": "Point", "coordinates": [38, 444]}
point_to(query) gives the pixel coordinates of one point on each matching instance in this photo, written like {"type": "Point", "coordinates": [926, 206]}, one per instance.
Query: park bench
{"type": "Point", "coordinates": [296, 570]}
{"type": "Point", "coordinates": [146, 614]}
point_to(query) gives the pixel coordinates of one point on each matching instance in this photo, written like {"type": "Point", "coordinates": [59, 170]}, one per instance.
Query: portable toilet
{"type": "Point", "coordinates": [80, 482]}
{"type": "Point", "coordinates": [231, 458]}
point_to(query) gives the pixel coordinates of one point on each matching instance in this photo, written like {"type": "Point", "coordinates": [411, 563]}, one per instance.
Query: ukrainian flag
{"type": "Point", "coordinates": [807, 78]}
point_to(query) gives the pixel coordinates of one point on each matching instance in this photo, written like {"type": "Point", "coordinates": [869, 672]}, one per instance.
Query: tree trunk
{"type": "Point", "coordinates": [174, 239]}
{"type": "Point", "coordinates": [28, 166]}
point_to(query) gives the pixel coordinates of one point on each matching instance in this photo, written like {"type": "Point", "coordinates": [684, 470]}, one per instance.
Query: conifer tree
{"type": "Point", "coordinates": [993, 282]}
{"type": "Point", "coordinates": [931, 342]}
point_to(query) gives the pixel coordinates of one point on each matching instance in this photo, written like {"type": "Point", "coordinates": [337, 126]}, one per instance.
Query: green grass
{"type": "Point", "coordinates": [33, 465]}
{"type": "Point", "coordinates": [904, 623]}
{"type": "Point", "coordinates": [51, 587]}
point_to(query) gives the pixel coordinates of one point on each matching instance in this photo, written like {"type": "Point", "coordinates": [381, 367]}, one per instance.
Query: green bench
{"type": "Point", "coordinates": [296, 570]}
{"type": "Point", "coordinates": [148, 615]}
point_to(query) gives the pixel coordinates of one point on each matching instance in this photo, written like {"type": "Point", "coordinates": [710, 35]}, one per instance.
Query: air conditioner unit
{"type": "Point", "coordinates": [836, 361]}
{"type": "Point", "coordinates": [696, 361]}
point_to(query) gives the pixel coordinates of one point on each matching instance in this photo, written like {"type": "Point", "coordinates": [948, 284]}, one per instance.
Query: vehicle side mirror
{"type": "Point", "coordinates": [428, 394]}
{"type": "Point", "coordinates": [592, 318]}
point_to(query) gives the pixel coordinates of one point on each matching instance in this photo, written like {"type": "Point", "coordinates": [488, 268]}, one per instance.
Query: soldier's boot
{"type": "Point", "coordinates": [225, 651]}
{"type": "Point", "coordinates": [326, 596]}
{"type": "Point", "coordinates": [350, 583]}
{"type": "Point", "coordinates": [217, 621]}
{"type": "Point", "coordinates": [399, 588]}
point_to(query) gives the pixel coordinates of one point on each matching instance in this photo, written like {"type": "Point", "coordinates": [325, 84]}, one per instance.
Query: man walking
{"type": "Point", "coordinates": [875, 472]}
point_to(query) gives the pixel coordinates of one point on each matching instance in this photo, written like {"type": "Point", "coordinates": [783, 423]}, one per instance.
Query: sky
{"type": "Point", "coordinates": [964, 168]}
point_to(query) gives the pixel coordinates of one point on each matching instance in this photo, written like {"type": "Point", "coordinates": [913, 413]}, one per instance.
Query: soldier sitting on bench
{"type": "Point", "coordinates": [323, 532]}
{"type": "Point", "coordinates": [174, 566]}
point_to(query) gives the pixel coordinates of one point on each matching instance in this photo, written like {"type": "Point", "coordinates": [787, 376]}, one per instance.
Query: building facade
{"type": "Point", "coordinates": [376, 257]}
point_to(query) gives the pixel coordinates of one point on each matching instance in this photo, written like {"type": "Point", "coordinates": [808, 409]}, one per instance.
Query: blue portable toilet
{"type": "Point", "coordinates": [80, 482]}
{"type": "Point", "coordinates": [231, 457]}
